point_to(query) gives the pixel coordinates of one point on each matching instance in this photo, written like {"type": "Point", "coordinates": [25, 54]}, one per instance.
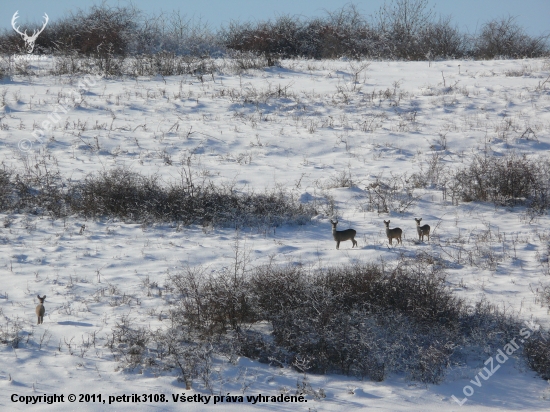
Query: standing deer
{"type": "Point", "coordinates": [343, 235]}
{"type": "Point", "coordinates": [393, 233]}
{"type": "Point", "coordinates": [40, 309]}
{"type": "Point", "coordinates": [422, 230]}
{"type": "Point", "coordinates": [29, 40]}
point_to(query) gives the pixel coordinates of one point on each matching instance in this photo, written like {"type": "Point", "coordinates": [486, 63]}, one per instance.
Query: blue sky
{"type": "Point", "coordinates": [533, 15]}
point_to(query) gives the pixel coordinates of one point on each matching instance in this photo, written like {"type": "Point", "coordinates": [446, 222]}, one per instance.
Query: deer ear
{"type": "Point", "coordinates": [38, 296]}
{"type": "Point", "coordinates": [44, 297]}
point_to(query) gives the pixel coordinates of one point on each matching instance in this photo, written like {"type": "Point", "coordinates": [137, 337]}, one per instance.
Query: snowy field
{"type": "Point", "coordinates": [311, 127]}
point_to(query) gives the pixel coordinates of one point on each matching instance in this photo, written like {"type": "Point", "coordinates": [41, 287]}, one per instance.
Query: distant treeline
{"type": "Point", "coordinates": [401, 29]}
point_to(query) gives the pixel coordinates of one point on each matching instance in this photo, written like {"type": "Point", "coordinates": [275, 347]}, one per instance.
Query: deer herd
{"type": "Point", "coordinates": [395, 233]}
{"type": "Point", "coordinates": [338, 235]}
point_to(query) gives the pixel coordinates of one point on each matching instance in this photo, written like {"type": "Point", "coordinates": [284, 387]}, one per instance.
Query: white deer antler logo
{"type": "Point", "coordinates": [29, 40]}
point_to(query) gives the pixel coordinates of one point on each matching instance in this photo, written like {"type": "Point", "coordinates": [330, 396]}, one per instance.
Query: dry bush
{"type": "Point", "coordinates": [364, 320]}
{"type": "Point", "coordinates": [272, 40]}
{"type": "Point", "coordinates": [100, 31]}
{"type": "Point", "coordinates": [508, 180]}
{"type": "Point", "coordinates": [129, 196]}
{"type": "Point", "coordinates": [393, 194]}
{"type": "Point", "coordinates": [433, 172]}
{"type": "Point", "coordinates": [134, 197]}
{"type": "Point", "coordinates": [537, 352]}
{"type": "Point", "coordinates": [402, 23]}
{"type": "Point", "coordinates": [11, 332]}
{"type": "Point", "coordinates": [505, 38]}
{"type": "Point", "coordinates": [6, 189]}
{"type": "Point", "coordinates": [443, 40]}
{"type": "Point", "coordinates": [337, 180]}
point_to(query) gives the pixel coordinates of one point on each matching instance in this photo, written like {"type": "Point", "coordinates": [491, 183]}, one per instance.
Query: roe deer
{"type": "Point", "coordinates": [422, 230]}
{"type": "Point", "coordinates": [40, 309]}
{"type": "Point", "coordinates": [393, 233]}
{"type": "Point", "coordinates": [343, 235]}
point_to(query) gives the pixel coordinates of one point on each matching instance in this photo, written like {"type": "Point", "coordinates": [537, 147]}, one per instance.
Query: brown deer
{"type": "Point", "coordinates": [422, 230]}
{"type": "Point", "coordinates": [343, 235]}
{"type": "Point", "coordinates": [40, 309]}
{"type": "Point", "coordinates": [393, 233]}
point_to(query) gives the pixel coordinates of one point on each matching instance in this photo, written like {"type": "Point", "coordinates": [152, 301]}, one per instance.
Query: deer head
{"type": "Point", "coordinates": [29, 40]}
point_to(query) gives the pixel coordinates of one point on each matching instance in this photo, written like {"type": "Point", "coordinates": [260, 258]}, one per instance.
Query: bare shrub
{"type": "Point", "coordinates": [505, 38]}
{"type": "Point", "coordinates": [272, 40]}
{"type": "Point", "coordinates": [211, 304]}
{"type": "Point", "coordinates": [174, 33]}
{"type": "Point", "coordinates": [4, 69]}
{"type": "Point", "coordinates": [10, 333]}
{"type": "Point", "coordinates": [542, 292]}
{"type": "Point", "coordinates": [364, 319]}
{"type": "Point", "coordinates": [508, 180]}
{"type": "Point", "coordinates": [393, 194]}
{"type": "Point", "coordinates": [37, 189]}
{"type": "Point", "coordinates": [537, 352]}
{"type": "Point", "coordinates": [343, 33]}
{"type": "Point", "coordinates": [100, 31]}
{"type": "Point", "coordinates": [6, 189]}
{"type": "Point", "coordinates": [432, 171]}
{"type": "Point", "coordinates": [337, 180]}
{"type": "Point", "coordinates": [441, 39]}
{"type": "Point", "coordinates": [128, 343]}
{"type": "Point", "coordinates": [241, 61]}
{"type": "Point", "coordinates": [402, 23]}
{"type": "Point", "coordinates": [130, 196]}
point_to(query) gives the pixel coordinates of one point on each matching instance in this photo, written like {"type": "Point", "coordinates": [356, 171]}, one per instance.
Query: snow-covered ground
{"type": "Point", "coordinates": [304, 126]}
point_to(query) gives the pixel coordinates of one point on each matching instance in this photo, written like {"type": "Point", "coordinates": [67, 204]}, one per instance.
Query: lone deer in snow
{"type": "Point", "coordinates": [422, 230]}
{"type": "Point", "coordinates": [393, 233]}
{"type": "Point", "coordinates": [343, 235]}
{"type": "Point", "coordinates": [40, 309]}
